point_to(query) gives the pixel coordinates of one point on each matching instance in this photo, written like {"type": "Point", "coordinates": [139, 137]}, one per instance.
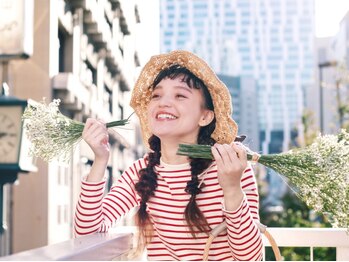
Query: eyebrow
{"type": "Point", "coordinates": [188, 89]}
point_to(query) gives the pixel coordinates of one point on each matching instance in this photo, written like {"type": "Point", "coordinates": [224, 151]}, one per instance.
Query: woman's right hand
{"type": "Point", "coordinates": [96, 136]}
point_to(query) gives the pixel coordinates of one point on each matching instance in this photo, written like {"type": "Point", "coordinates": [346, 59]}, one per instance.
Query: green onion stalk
{"type": "Point", "coordinates": [319, 172]}
{"type": "Point", "coordinates": [53, 135]}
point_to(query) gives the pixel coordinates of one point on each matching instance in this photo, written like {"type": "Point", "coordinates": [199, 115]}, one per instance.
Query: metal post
{"type": "Point", "coordinates": [340, 108]}
{"type": "Point", "coordinates": [2, 228]}
{"type": "Point", "coordinates": [4, 78]}
{"type": "Point", "coordinates": [321, 66]}
{"type": "Point", "coordinates": [321, 100]}
{"type": "Point", "coordinates": [5, 195]}
{"type": "Point", "coordinates": [4, 231]}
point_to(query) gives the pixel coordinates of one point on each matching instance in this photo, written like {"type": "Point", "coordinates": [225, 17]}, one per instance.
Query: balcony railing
{"type": "Point", "coordinates": [97, 247]}
{"type": "Point", "coordinates": [117, 244]}
{"type": "Point", "coordinates": [311, 238]}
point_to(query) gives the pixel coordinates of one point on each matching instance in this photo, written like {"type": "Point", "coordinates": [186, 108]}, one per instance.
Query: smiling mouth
{"type": "Point", "coordinates": [165, 116]}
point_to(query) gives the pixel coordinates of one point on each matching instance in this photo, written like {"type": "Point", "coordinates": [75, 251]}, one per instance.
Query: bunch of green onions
{"type": "Point", "coordinates": [52, 134]}
{"type": "Point", "coordinates": [320, 172]}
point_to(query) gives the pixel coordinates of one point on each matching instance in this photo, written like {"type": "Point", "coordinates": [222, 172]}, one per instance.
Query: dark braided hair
{"type": "Point", "coordinates": [148, 178]}
{"type": "Point", "coordinates": [147, 184]}
{"type": "Point", "coordinates": [192, 213]}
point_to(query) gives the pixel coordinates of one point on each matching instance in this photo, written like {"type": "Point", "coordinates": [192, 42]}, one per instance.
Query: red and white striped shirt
{"type": "Point", "coordinates": [172, 239]}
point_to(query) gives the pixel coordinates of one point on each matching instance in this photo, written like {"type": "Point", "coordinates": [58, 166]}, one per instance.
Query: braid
{"type": "Point", "coordinates": [192, 213]}
{"type": "Point", "coordinates": [147, 185]}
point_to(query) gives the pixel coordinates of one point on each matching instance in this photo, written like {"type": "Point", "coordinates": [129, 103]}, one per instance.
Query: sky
{"type": "Point", "coordinates": [328, 14]}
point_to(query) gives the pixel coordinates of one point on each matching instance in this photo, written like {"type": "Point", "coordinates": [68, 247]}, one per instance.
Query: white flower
{"type": "Point", "coordinates": [53, 135]}
{"type": "Point", "coordinates": [320, 172]}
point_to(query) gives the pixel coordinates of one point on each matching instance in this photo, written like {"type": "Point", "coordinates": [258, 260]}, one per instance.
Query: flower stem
{"type": "Point", "coordinates": [198, 151]}
{"type": "Point", "coordinates": [119, 122]}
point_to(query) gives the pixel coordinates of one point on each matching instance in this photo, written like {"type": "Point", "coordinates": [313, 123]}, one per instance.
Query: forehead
{"type": "Point", "coordinates": [178, 73]}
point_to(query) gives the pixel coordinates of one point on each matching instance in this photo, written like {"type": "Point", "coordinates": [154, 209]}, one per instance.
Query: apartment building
{"type": "Point", "coordinates": [87, 53]}
{"type": "Point", "coordinates": [270, 41]}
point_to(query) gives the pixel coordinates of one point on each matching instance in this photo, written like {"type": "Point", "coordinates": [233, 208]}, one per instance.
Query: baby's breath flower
{"type": "Point", "coordinates": [52, 134]}
{"type": "Point", "coordinates": [320, 173]}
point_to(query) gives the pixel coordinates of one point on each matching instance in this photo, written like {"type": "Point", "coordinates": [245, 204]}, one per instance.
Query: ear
{"type": "Point", "coordinates": [207, 118]}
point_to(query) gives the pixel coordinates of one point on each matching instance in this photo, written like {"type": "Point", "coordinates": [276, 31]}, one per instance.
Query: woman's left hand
{"type": "Point", "coordinates": [231, 162]}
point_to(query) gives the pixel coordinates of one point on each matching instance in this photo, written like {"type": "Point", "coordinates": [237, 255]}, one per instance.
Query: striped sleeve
{"type": "Point", "coordinates": [249, 186]}
{"type": "Point", "coordinates": [97, 212]}
{"type": "Point", "coordinates": [244, 237]}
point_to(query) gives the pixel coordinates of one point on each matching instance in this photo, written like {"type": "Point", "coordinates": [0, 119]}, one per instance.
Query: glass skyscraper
{"type": "Point", "coordinates": [271, 41]}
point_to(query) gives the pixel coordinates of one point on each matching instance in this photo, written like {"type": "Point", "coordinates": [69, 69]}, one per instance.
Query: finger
{"type": "Point", "coordinates": [88, 124]}
{"type": "Point", "coordinates": [216, 155]}
{"type": "Point", "coordinates": [101, 121]}
{"type": "Point", "coordinates": [93, 130]}
{"type": "Point", "coordinates": [97, 129]}
{"type": "Point", "coordinates": [105, 141]}
{"type": "Point", "coordinates": [98, 125]}
{"type": "Point", "coordinates": [230, 152]}
{"type": "Point", "coordinates": [240, 151]}
{"type": "Point", "coordinates": [102, 138]}
{"type": "Point", "coordinates": [223, 151]}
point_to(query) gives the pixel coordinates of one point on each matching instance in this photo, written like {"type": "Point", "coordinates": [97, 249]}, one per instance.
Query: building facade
{"type": "Point", "coordinates": [87, 54]}
{"type": "Point", "coordinates": [331, 86]}
{"type": "Point", "coordinates": [340, 52]}
{"type": "Point", "coordinates": [243, 91]}
{"type": "Point", "coordinates": [270, 41]}
{"type": "Point", "coordinates": [324, 107]}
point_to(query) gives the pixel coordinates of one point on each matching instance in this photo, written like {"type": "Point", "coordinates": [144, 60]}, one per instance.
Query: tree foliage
{"type": "Point", "coordinates": [296, 214]}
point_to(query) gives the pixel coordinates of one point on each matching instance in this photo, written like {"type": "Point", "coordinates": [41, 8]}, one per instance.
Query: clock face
{"type": "Point", "coordinates": [10, 132]}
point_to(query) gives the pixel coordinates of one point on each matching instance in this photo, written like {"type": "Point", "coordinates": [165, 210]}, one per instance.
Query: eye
{"type": "Point", "coordinates": [181, 96]}
{"type": "Point", "coordinates": [155, 96]}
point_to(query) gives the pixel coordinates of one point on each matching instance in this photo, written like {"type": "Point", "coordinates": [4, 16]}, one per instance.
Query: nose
{"type": "Point", "coordinates": [165, 101]}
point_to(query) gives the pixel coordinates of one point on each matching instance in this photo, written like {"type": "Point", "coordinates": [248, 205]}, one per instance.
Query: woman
{"type": "Point", "coordinates": [178, 99]}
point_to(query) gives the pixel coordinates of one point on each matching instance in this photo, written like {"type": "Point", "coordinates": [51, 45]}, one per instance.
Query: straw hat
{"type": "Point", "coordinates": [226, 128]}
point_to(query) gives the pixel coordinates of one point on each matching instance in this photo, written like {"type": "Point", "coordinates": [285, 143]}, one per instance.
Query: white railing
{"type": "Point", "coordinates": [95, 247]}
{"type": "Point", "coordinates": [117, 244]}
{"type": "Point", "coordinates": [311, 238]}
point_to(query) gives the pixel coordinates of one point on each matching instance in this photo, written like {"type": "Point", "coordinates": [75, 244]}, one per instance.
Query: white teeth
{"type": "Point", "coordinates": [166, 116]}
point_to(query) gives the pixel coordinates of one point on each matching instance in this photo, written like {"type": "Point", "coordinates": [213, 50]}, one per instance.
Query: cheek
{"type": "Point", "coordinates": [149, 118]}
{"type": "Point", "coordinates": [150, 109]}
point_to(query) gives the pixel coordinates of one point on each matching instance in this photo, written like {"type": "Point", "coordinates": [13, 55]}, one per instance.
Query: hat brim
{"type": "Point", "coordinates": [226, 128]}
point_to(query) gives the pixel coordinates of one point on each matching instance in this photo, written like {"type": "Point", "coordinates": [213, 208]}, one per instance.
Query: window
{"type": "Point", "coordinates": [247, 67]}
{"type": "Point", "coordinates": [108, 99]}
{"type": "Point", "coordinates": [65, 63]}
{"type": "Point", "coordinates": [244, 49]}
{"type": "Point", "coordinates": [170, 7]}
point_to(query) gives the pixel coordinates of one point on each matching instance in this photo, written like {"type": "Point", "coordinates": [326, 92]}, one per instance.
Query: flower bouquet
{"type": "Point", "coordinates": [320, 172]}
{"type": "Point", "coordinates": [52, 134]}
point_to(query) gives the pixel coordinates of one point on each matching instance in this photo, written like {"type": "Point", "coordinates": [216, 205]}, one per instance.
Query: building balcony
{"type": "Point", "coordinates": [119, 243]}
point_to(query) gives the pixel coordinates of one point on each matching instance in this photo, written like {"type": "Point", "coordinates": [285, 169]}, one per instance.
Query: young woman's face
{"type": "Point", "coordinates": [176, 112]}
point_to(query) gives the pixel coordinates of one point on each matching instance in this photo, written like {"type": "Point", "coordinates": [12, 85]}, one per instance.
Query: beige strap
{"type": "Point", "coordinates": [261, 227]}
{"type": "Point", "coordinates": [207, 247]}
{"type": "Point", "coordinates": [273, 245]}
